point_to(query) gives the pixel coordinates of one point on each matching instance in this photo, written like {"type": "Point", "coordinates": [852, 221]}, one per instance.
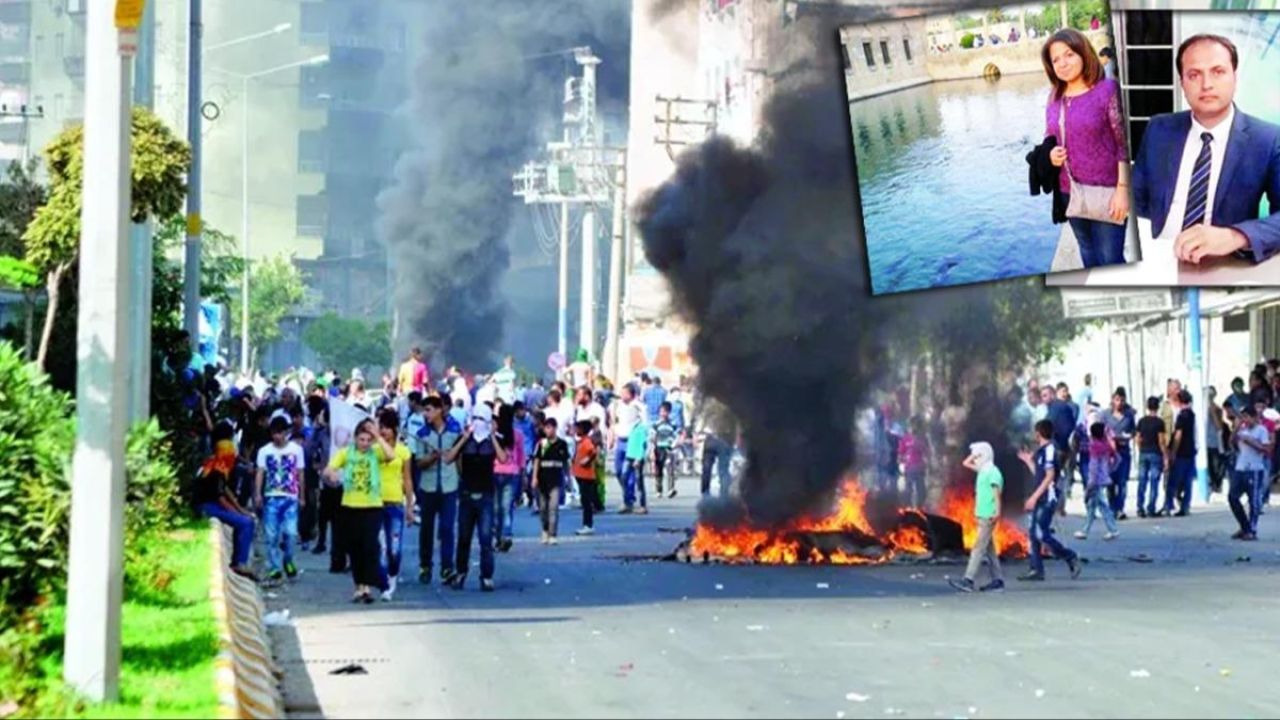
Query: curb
{"type": "Point", "coordinates": [244, 672]}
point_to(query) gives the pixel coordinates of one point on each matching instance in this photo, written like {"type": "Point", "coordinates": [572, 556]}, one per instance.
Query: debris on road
{"type": "Point", "coordinates": [894, 711]}
{"type": "Point", "coordinates": [855, 697]}
{"type": "Point", "coordinates": [719, 586]}
{"type": "Point", "coordinates": [1225, 672]}
{"type": "Point", "coordinates": [352, 669]}
{"type": "Point", "coordinates": [546, 581]}
{"type": "Point", "coordinates": [1039, 693]}
{"type": "Point", "coordinates": [1011, 653]}
{"type": "Point", "coordinates": [824, 586]}
{"type": "Point", "coordinates": [1139, 674]}
{"type": "Point", "coordinates": [755, 628]}
{"type": "Point", "coordinates": [1141, 558]}
{"type": "Point", "coordinates": [279, 618]}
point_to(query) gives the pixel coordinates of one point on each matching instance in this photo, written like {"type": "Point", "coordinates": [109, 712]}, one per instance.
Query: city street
{"type": "Point", "coordinates": [590, 628]}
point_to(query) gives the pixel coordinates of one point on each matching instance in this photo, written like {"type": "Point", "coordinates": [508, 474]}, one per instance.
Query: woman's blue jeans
{"type": "Point", "coordinates": [1101, 243]}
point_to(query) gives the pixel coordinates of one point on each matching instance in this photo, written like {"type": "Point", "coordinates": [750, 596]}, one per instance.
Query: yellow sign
{"type": "Point", "coordinates": [129, 14]}
{"type": "Point", "coordinates": [193, 224]}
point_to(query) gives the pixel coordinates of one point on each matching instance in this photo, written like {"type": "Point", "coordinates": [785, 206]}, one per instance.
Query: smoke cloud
{"type": "Point", "coordinates": [474, 109]}
{"type": "Point", "coordinates": [764, 253]}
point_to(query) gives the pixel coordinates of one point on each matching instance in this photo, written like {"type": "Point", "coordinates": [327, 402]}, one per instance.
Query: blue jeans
{"type": "Point", "coordinates": [1180, 475]}
{"type": "Point", "coordinates": [1041, 533]}
{"type": "Point", "coordinates": [504, 512]}
{"type": "Point", "coordinates": [1101, 243]}
{"type": "Point", "coordinates": [1118, 492]}
{"type": "Point", "coordinates": [1249, 483]}
{"type": "Point", "coordinates": [716, 453]}
{"type": "Point", "coordinates": [241, 530]}
{"type": "Point", "coordinates": [1096, 503]}
{"type": "Point", "coordinates": [279, 518]}
{"type": "Point", "coordinates": [392, 540]}
{"type": "Point", "coordinates": [475, 517]}
{"type": "Point", "coordinates": [1150, 468]}
{"type": "Point", "coordinates": [633, 481]}
{"type": "Point", "coordinates": [915, 487]}
{"type": "Point", "coordinates": [439, 519]}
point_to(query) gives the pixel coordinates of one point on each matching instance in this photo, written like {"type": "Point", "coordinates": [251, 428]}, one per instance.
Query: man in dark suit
{"type": "Point", "coordinates": [1201, 174]}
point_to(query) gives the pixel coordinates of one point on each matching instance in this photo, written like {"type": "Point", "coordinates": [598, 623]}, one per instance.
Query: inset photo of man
{"type": "Point", "coordinates": [1206, 174]}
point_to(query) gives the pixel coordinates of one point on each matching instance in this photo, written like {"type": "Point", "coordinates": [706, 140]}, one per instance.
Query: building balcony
{"type": "Point", "coordinates": [73, 65]}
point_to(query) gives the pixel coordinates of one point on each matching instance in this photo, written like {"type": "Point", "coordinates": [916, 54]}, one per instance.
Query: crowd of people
{"type": "Point", "coordinates": [320, 463]}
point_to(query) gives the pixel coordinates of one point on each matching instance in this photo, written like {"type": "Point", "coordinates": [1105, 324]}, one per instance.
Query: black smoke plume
{"type": "Point", "coordinates": [487, 82]}
{"type": "Point", "coordinates": [763, 249]}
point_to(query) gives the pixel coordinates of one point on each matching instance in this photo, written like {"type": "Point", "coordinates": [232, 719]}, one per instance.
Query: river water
{"type": "Point", "coordinates": [943, 179]}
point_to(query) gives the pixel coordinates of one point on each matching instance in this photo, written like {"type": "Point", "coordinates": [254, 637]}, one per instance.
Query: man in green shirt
{"type": "Point", "coordinates": [986, 508]}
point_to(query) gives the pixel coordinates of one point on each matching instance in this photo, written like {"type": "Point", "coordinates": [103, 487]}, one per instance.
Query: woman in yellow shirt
{"type": "Point", "coordinates": [357, 468]}
{"type": "Point", "coordinates": [397, 499]}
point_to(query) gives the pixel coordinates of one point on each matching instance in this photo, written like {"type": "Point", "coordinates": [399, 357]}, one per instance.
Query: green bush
{"type": "Point", "coordinates": [153, 504]}
{"type": "Point", "coordinates": [36, 439]}
{"type": "Point", "coordinates": [966, 41]}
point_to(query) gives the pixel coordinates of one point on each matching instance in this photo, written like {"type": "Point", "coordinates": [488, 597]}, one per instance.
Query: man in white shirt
{"type": "Point", "coordinates": [626, 413]}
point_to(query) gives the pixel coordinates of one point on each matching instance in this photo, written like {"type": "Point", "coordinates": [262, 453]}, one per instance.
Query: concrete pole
{"type": "Point", "coordinates": [191, 268]}
{"type": "Point", "coordinates": [1062, 9]}
{"type": "Point", "coordinates": [95, 572]}
{"type": "Point", "coordinates": [140, 237]}
{"type": "Point", "coordinates": [1196, 386]}
{"type": "Point", "coordinates": [244, 227]}
{"type": "Point", "coordinates": [563, 296]}
{"type": "Point", "coordinates": [610, 366]}
{"type": "Point", "coordinates": [587, 308]}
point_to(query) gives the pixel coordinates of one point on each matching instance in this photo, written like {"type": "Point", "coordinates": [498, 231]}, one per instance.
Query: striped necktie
{"type": "Point", "coordinates": [1198, 192]}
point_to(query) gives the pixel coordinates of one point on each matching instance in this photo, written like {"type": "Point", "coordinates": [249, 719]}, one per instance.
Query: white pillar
{"type": "Point", "coordinates": [244, 227]}
{"type": "Point", "coordinates": [587, 311]}
{"type": "Point", "coordinates": [610, 366]}
{"type": "Point", "coordinates": [562, 306]}
{"type": "Point", "coordinates": [94, 593]}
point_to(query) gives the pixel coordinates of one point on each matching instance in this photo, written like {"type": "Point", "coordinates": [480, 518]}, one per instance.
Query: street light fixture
{"type": "Point", "coordinates": [244, 189]}
{"type": "Point", "coordinates": [282, 27]}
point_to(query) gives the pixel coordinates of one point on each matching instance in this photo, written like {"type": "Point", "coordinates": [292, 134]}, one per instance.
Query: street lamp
{"type": "Point", "coordinates": [244, 190]}
{"type": "Point", "coordinates": [195, 76]}
{"type": "Point", "coordinates": [282, 27]}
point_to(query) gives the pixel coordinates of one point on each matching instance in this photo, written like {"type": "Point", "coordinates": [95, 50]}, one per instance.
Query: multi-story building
{"type": "Point", "coordinates": [353, 150]}
{"type": "Point", "coordinates": [16, 104]}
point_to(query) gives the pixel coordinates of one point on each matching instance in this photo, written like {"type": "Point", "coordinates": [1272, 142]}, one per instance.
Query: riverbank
{"type": "Point", "coordinates": [169, 640]}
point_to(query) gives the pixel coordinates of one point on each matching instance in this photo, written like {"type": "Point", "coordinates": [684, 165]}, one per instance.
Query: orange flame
{"type": "Point", "coordinates": [781, 546]}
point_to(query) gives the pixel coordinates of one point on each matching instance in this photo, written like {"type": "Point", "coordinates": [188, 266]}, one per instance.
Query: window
{"type": "Point", "coordinates": [313, 211]}
{"type": "Point", "coordinates": [871, 55]}
{"type": "Point", "coordinates": [884, 50]}
{"type": "Point", "coordinates": [1148, 74]}
{"type": "Point", "coordinates": [311, 151]}
{"type": "Point", "coordinates": [844, 52]}
{"type": "Point", "coordinates": [906, 48]}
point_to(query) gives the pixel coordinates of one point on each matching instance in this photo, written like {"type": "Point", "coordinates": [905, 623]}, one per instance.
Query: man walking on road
{"type": "Point", "coordinates": [1043, 503]}
{"type": "Point", "coordinates": [626, 414]}
{"type": "Point", "coordinates": [986, 507]}
{"type": "Point", "coordinates": [1181, 464]}
{"type": "Point", "coordinates": [438, 479]}
{"type": "Point", "coordinates": [1253, 445]}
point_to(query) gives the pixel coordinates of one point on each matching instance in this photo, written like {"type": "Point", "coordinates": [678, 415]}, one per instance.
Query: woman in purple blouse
{"type": "Point", "coordinates": [1096, 149]}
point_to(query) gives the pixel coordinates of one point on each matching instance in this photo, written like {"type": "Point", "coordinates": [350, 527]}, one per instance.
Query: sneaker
{"type": "Point", "coordinates": [507, 544]}
{"type": "Point", "coordinates": [393, 582]}
{"type": "Point", "coordinates": [367, 598]}
{"type": "Point", "coordinates": [244, 572]}
{"type": "Point", "coordinates": [1074, 566]}
{"type": "Point", "coordinates": [1238, 535]}
{"type": "Point", "coordinates": [1142, 513]}
{"type": "Point", "coordinates": [1080, 535]}
{"type": "Point", "coordinates": [458, 581]}
{"type": "Point", "coordinates": [319, 549]}
{"type": "Point", "coordinates": [275, 576]}
{"type": "Point", "coordinates": [486, 584]}
{"type": "Point", "coordinates": [1122, 516]}
{"type": "Point", "coordinates": [1032, 577]}
{"type": "Point", "coordinates": [993, 586]}
{"type": "Point", "coordinates": [963, 585]}
{"type": "Point", "coordinates": [387, 595]}
{"type": "Point", "coordinates": [337, 569]}
{"type": "Point", "coordinates": [1111, 535]}
{"type": "Point", "coordinates": [291, 570]}
{"type": "Point", "coordinates": [447, 576]}
{"type": "Point", "coordinates": [553, 540]}
{"type": "Point", "coordinates": [545, 537]}
{"type": "Point", "coordinates": [1182, 513]}
{"type": "Point", "coordinates": [625, 511]}
{"type": "Point", "coordinates": [424, 576]}
{"type": "Point", "coordinates": [585, 531]}
{"type": "Point", "coordinates": [672, 493]}
{"type": "Point", "coordinates": [642, 510]}
{"type": "Point", "coordinates": [1250, 536]}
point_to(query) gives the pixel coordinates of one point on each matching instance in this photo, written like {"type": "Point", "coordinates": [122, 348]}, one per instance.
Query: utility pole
{"type": "Point", "coordinates": [191, 268]}
{"type": "Point", "coordinates": [580, 171]}
{"type": "Point", "coordinates": [1196, 386]}
{"type": "Point", "coordinates": [617, 258]}
{"type": "Point", "coordinates": [141, 239]}
{"type": "Point", "coordinates": [96, 567]}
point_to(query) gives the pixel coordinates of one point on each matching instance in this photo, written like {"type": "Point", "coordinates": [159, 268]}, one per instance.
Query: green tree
{"type": "Point", "coordinates": [158, 177]}
{"type": "Point", "coordinates": [221, 265]}
{"type": "Point", "coordinates": [347, 342]}
{"type": "Point", "coordinates": [275, 288]}
{"type": "Point", "coordinates": [20, 196]}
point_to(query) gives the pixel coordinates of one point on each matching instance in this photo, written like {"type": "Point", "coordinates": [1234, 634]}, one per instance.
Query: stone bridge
{"type": "Point", "coordinates": [1004, 59]}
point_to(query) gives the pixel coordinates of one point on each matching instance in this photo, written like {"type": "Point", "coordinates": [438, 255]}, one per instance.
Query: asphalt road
{"type": "Point", "coordinates": [584, 630]}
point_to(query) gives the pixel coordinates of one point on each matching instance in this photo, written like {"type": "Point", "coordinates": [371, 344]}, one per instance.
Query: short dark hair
{"type": "Point", "coordinates": [1237, 380]}
{"type": "Point", "coordinates": [432, 401]}
{"type": "Point", "coordinates": [389, 418]}
{"type": "Point", "coordinates": [1098, 431]}
{"type": "Point", "coordinates": [1044, 429]}
{"type": "Point", "coordinates": [1107, 52]}
{"type": "Point", "coordinates": [279, 425]}
{"type": "Point", "coordinates": [665, 406]}
{"type": "Point", "coordinates": [415, 398]}
{"type": "Point", "coordinates": [1153, 403]}
{"type": "Point", "coordinates": [583, 427]}
{"type": "Point", "coordinates": [1121, 393]}
{"type": "Point", "coordinates": [551, 422]}
{"type": "Point", "coordinates": [1208, 37]}
{"type": "Point", "coordinates": [1184, 396]}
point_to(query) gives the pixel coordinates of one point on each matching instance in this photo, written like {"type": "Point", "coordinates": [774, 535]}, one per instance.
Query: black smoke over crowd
{"type": "Point", "coordinates": [479, 104]}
